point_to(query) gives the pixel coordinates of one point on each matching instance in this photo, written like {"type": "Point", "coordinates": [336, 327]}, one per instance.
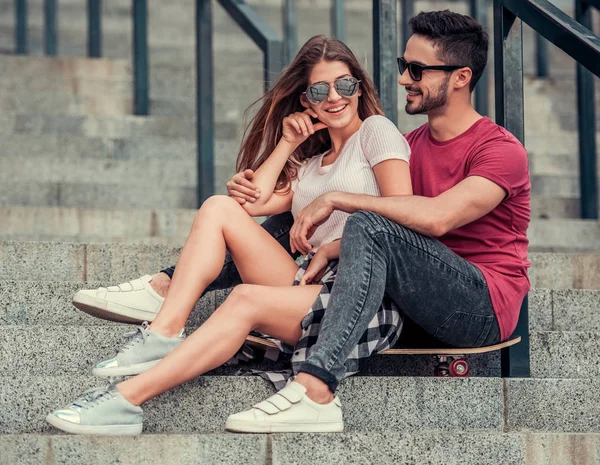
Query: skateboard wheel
{"type": "Point", "coordinates": [459, 368]}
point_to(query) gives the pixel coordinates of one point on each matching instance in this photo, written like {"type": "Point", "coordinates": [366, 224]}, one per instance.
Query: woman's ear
{"type": "Point", "coordinates": [304, 101]}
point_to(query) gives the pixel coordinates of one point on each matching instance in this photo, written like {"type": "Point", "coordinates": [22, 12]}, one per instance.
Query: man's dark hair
{"type": "Point", "coordinates": [459, 40]}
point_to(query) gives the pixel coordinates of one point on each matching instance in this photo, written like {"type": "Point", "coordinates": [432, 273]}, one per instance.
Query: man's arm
{"type": "Point", "coordinates": [464, 203]}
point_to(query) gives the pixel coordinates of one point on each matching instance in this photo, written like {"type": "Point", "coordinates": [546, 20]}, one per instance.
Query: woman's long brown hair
{"type": "Point", "coordinates": [263, 133]}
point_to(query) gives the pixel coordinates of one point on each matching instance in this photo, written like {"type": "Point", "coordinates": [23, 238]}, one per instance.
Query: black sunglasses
{"type": "Point", "coordinates": [346, 87]}
{"type": "Point", "coordinates": [416, 70]}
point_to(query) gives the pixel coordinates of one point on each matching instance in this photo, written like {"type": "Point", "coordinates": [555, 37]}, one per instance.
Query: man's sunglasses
{"type": "Point", "coordinates": [416, 70]}
{"type": "Point", "coordinates": [346, 87]}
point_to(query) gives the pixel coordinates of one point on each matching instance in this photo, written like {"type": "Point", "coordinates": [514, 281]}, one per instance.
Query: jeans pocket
{"type": "Point", "coordinates": [463, 329]}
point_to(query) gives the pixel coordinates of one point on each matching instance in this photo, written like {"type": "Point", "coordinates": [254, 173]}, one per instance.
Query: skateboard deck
{"type": "Point", "coordinates": [450, 360]}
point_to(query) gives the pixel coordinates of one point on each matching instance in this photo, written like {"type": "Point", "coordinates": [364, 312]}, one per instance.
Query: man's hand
{"type": "Point", "coordinates": [240, 187]}
{"type": "Point", "coordinates": [308, 220]}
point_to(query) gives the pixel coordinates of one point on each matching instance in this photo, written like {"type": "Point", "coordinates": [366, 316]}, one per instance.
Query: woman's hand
{"type": "Point", "coordinates": [298, 127]}
{"type": "Point", "coordinates": [241, 188]}
{"type": "Point", "coordinates": [318, 264]}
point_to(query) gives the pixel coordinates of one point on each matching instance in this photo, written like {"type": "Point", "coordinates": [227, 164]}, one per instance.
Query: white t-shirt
{"type": "Point", "coordinates": [377, 140]}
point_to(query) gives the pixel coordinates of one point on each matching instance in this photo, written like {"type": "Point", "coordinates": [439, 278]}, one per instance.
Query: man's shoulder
{"type": "Point", "coordinates": [416, 133]}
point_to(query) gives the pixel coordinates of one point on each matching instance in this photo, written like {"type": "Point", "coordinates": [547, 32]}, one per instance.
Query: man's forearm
{"type": "Point", "coordinates": [414, 212]}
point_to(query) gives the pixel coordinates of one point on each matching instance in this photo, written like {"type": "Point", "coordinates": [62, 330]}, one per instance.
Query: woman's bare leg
{"type": "Point", "coordinates": [276, 311]}
{"type": "Point", "coordinates": [220, 224]}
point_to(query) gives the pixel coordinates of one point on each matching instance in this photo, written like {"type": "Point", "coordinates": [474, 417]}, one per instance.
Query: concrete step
{"type": "Point", "coordinates": [563, 185]}
{"type": "Point", "coordinates": [49, 303]}
{"type": "Point", "coordinates": [77, 224]}
{"type": "Point", "coordinates": [159, 174]}
{"type": "Point", "coordinates": [375, 404]}
{"type": "Point", "coordinates": [554, 207]}
{"type": "Point", "coordinates": [32, 223]}
{"type": "Point", "coordinates": [50, 261]}
{"type": "Point", "coordinates": [48, 350]}
{"type": "Point", "coordinates": [349, 448]}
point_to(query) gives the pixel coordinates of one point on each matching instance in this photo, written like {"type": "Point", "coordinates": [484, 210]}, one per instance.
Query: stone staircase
{"type": "Point", "coordinates": [91, 195]}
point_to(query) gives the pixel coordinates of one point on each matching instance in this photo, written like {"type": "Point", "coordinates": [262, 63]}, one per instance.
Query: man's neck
{"type": "Point", "coordinates": [452, 121]}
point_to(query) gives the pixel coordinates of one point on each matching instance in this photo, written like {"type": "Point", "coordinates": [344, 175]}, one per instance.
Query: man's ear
{"type": "Point", "coordinates": [463, 77]}
{"type": "Point", "coordinates": [304, 101]}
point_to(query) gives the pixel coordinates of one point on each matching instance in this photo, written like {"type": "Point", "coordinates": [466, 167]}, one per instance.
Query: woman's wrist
{"type": "Point", "coordinates": [286, 146]}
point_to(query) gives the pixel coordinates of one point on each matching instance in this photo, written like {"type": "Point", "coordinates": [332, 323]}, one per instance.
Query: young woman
{"type": "Point", "coordinates": [319, 129]}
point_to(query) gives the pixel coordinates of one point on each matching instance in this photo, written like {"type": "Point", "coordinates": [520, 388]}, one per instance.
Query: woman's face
{"type": "Point", "coordinates": [336, 111]}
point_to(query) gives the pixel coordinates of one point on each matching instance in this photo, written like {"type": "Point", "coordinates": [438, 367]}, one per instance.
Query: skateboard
{"type": "Point", "coordinates": [450, 361]}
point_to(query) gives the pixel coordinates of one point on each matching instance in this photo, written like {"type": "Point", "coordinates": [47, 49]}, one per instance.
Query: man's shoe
{"type": "Point", "coordinates": [102, 411]}
{"type": "Point", "coordinates": [132, 302]}
{"type": "Point", "coordinates": [143, 350]}
{"type": "Point", "coordinates": [289, 411]}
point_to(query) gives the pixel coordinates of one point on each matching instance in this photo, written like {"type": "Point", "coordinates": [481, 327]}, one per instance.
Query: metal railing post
{"type": "Point", "coordinates": [338, 20]}
{"type": "Point", "coordinates": [50, 28]}
{"type": "Point", "coordinates": [385, 45]}
{"type": "Point", "coordinates": [479, 12]}
{"type": "Point", "coordinates": [261, 34]}
{"type": "Point", "coordinates": [204, 101]}
{"type": "Point", "coordinates": [140, 57]}
{"type": "Point", "coordinates": [290, 30]}
{"type": "Point", "coordinates": [94, 12]}
{"type": "Point", "coordinates": [586, 117]}
{"type": "Point", "coordinates": [508, 54]}
{"type": "Point", "coordinates": [407, 12]}
{"type": "Point", "coordinates": [541, 56]}
{"type": "Point", "coordinates": [21, 27]}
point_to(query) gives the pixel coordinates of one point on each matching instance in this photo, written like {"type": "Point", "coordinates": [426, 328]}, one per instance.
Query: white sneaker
{"type": "Point", "coordinates": [289, 411]}
{"type": "Point", "coordinates": [132, 302]}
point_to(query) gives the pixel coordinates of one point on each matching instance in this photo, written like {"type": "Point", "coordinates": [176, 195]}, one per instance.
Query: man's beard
{"type": "Point", "coordinates": [438, 100]}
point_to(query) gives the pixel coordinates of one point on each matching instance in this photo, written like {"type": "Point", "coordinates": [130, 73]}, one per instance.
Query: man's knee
{"type": "Point", "coordinates": [364, 226]}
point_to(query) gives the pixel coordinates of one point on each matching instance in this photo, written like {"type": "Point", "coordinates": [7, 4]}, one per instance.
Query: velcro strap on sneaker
{"type": "Point", "coordinates": [126, 287]}
{"type": "Point", "coordinates": [293, 392]}
{"type": "Point", "coordinates": [137, 284]}
{"type": "Point", "coordinates": [280, 402]}
{"type": "Point", "coordinates": [267, 407]}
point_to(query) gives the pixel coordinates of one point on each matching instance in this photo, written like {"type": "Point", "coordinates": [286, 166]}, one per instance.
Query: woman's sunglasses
{"type": "Point", "coordinates": [416, 70]}
{"type": "Point", "coordinates": [346, 87]}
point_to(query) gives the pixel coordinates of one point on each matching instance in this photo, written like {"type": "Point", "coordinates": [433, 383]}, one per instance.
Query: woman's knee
{"type": "Point", "coordinates": [219, 206]}
{"type": "Point", "coordinates": [242, 303]}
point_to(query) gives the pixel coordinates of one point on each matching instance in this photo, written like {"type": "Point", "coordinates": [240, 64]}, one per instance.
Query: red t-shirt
{"type": "Point", "coordinates": [497, 242]}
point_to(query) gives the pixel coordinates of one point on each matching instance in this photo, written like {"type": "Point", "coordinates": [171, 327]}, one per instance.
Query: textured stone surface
{"type": "Point", "coordinates": [557, 405]}
{"type": "Point", "coordinates": [370, 403]}
{"type": "Point", "coordinates": [89, 171]}
{"type": "Point", "coordinates": [359, 448]}
{"type": "Point", "coordinates": [49, 303]}
{"type": "Point", "coordinates": [39, 261]}
{"type": "Point", "coordinates": [423, 404]}
{"type": "Point", "coordinates": [576, 310]}
{"type": "Point", "coordinates": [117, 264]}
{"type": "Point", "coordinates": [565, 270]}
{"type": "Point", "coordinates": [565, 234]}
{"type": "Point", "coordinates": [565, 355]}
{"type": "Point", "coordinates": [540, 310]}
{"type": "Point", "coordinates": [79, 223]}
{"type": "Point", "coordinates": [168, 450]}
{"type": "Point", "coordinates": [298, 449]}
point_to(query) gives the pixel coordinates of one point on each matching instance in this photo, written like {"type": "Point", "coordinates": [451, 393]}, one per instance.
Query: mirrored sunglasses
{"type": "Point", "coordinates": [346, 87]}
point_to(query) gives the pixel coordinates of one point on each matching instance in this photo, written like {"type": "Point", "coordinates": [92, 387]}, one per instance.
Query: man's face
{"type": "Point", "coordinates": [431, 92]}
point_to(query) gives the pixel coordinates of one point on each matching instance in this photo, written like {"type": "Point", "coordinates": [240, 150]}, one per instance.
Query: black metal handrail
{"type": "Point", "coordinates": [580, 44]}
{"type": "Point", "coordinates": [141, 90]}
{"type": "Point", "coordinates": [264, 37]}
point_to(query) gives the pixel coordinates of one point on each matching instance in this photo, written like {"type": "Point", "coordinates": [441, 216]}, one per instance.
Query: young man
{"type": "Point", "coordinates": [453, 256]}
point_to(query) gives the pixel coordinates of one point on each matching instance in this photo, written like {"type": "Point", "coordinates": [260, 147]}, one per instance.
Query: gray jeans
{"type": "Point", "coordinates": [441, 292]}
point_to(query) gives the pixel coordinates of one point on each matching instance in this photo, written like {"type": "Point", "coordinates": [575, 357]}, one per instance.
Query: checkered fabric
{"type": "Point", "coordinates": [382, 333]}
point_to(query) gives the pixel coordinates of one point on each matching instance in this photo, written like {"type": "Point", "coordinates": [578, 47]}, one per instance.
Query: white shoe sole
{"type": "Point", "coordinates": [111, 311]}
{"type": "Point", "coordinates": [124, 371]}
{"type": "Point", "coordinates": [238, 426]}
{"type": "Point", "coordinates": [105, 430]}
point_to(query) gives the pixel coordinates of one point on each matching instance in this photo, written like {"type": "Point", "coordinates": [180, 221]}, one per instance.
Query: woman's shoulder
{"type": "Point", "coordinates": [375, 122]}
